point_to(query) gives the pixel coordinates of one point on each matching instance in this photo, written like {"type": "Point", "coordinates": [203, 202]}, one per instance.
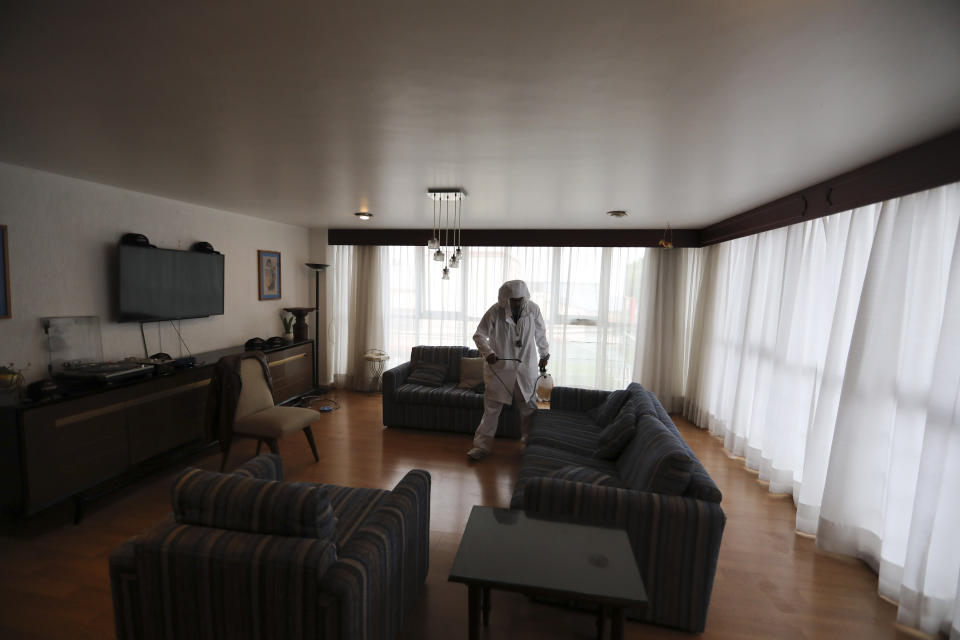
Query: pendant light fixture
{"type": "Point", "coordinates": [435, 239]}
{"type": "Point", "coordinates": [444, 251]}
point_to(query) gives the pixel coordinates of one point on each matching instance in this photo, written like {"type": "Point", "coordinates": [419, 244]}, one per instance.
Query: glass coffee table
{"type": "Point", "coordinates": [538, 555]}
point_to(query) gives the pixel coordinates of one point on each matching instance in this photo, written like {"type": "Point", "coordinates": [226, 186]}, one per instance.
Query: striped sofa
{"type": "Point", "coordinates": [443, 408]}
{"type": "Point", "coordinates": [655, 488]}
{"type": "Point", "coordinates": [269, 576]}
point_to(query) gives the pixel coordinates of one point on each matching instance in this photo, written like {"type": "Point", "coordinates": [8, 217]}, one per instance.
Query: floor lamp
{"type": "Point", "coordinates": [317, 268]}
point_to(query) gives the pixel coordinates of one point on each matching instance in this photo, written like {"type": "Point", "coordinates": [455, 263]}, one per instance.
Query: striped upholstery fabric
{"type": "Point", "coordinates": [444, 408]}
{"type": "Point", "coordinates": [616, 436]}
{"type": "Point", "coordinates": [573, 399]}
{"type": "Point", "coordinates": [540, 461]}
{"type": "Point", "coordinates": [676, 542]}
{"type": "Point", "coordinates": [227, 501]}
{"type": "Point", "coordinates": [666, 500]}
{"type": "Point", "coordinates": [195, 582]}
{"type": "Point", "coordinates": [563, 430]}
{"type": "Point", "coordinates": [187, 581]}
{"type": "Point", "coordinates": [430, 374]}
{"type": "Point", "coordinates": [587, 475]}
{"type": "Point", "coordinates": [604, 413]}
{"type": "Point", "coordinates": [351, 506]}
{"type": "Point", "coordinates": [265, 467]}
{"type": "Point", "coordinates": [701, 485]}
{"type": "Point", "coordinates": [656, 460]}
{"type": "Point", "coordinates": [125, 590]}
{"type": "Point", "coordinates": [446, 355]}
{"type": "Point", "coordinates": [642, 402]}
{"type": "Point", "coordinates": [449, 395]}
{"type": "Point", "coordinates": [382, 568]}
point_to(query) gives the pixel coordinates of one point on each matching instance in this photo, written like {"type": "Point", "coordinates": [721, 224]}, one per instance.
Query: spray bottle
{"type": "Point", "coordinates": [544, 385]}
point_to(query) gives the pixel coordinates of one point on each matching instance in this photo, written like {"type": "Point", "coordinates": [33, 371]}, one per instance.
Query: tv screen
{"type": "Point", "coordinates": [165, 284]}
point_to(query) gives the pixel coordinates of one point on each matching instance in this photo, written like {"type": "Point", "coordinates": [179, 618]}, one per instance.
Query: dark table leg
{"type": "Point", "coordinates": [601, 621]}
{"type": "Point", "coordinates": [473, 607]}
{"type": "Point", "coordinates": [486, 606]}
{"type": "Point", "coordinates": [616, 624]}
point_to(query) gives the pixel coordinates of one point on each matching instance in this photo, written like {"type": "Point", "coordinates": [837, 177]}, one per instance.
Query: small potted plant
{"type": "Point", "coordinates": [11, 379]}
{"type": "Point", "coordinates": [287, 319]}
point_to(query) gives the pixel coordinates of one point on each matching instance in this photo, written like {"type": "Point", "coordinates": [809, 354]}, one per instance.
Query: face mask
{"type": "Point", "coordinates": [516, 306]}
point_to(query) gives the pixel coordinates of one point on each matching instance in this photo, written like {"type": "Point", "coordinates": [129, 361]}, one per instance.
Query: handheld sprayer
{"type": "Point", "coordinates": [544, 385]}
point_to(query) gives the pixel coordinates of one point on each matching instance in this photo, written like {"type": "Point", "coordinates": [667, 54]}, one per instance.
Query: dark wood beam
{"type": "Point", "coordinates": [931, 164]}
{"type": "Point", "coordinates": [520, 237]}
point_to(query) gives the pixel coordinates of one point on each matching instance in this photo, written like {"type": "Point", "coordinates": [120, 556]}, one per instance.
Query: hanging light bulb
{"type": "Point", "coordinates": [438, 256]}
{"type": "Point", "coordinates": [446, 241]}
{"type": "Point", "coordinates": [434, 242]}
{"type": "Point", "coordinates": [459, 254]}
{"type": "Point", "coordinates": [454, 262]}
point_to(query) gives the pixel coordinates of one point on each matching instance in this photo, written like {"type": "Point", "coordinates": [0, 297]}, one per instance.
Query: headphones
{"type": "Point", "coordinates": [254, 344]}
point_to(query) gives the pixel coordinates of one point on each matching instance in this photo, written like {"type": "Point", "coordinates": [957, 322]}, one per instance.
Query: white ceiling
{"type": "Point", "coordinates": [548, 112]}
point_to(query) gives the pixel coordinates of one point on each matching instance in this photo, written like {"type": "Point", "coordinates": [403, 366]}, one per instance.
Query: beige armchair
{"type": "Point", "coordinates": [242, 401]}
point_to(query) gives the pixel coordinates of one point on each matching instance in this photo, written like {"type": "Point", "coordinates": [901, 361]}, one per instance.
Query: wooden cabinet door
{"type": "Point", "coordinates": [292, 371]}
{"type": "Point", "coordinates": [166, 418]}
{"type": "Point", "coordinates": [72, 446]}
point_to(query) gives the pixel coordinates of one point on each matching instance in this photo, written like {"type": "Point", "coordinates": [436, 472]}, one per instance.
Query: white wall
{"type": "Point", "coordinates": [62, 237]}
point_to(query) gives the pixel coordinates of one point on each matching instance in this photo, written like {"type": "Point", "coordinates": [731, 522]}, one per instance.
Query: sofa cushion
{"type": "Point", "coordinates": [471, 373]}
{"type": "Point", "coordinates": [569, 430]}
{"type": "Point", "coordinates": [446, 395]}
{"type": "Point", "coordinates": [226, 501]}
{"type": "Point", "coordinates": [616, 436]}
{"type": "Point", "coordinates": [586, 475]}
{"type": "Point", "coordinates": [641, 401]}
{"type": "Point", "coordinates": [540, 460]}
{"type": "Point", "coordinates": [448, 355]}
{"type": "Point", "coordinates": [657, 460]}
{"type": "Point", "coordinates": [428, 374]}
{"type": "Point", "coordinates": [608, 410]}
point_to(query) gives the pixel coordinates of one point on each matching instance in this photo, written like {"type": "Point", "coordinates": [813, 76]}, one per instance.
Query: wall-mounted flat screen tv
{"type": "Point", "coordinates": [166, 284]}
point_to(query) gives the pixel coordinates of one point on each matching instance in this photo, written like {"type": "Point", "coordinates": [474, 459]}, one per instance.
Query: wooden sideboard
{"type": "Point", "coordinates": [56, 450]}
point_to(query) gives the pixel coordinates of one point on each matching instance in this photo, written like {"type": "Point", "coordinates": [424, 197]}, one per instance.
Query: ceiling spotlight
{"type": "Point", "coordinates": [617, 213]}
{"type": "Point", "coordinates": [363, 215]}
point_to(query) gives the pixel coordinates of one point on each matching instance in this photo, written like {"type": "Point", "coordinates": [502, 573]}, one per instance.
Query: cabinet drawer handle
{"type": "Point", "coordinates": [296, 357]}
{"type": "Point", "coordinates": [86, 415]}
{"type": "Point", "coordinates": [120, 406]}
{"type": "Point", "coordinates": [169, 392]}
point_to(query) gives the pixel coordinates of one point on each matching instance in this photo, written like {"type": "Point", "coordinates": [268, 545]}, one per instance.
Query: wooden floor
{"type": "Point", "coordinates": [770, 582]}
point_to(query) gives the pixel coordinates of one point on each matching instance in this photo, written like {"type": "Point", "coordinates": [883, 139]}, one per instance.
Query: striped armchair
{"type": "Point", "coordinates": [255, 580]}
{"type": "Point", "coordinates": [655, 488]}
{"type": "Point", "coordinates": [443, 408]}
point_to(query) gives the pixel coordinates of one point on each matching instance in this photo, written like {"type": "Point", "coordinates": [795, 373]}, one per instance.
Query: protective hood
{"type": "Point", "coordinates": [512, 289]}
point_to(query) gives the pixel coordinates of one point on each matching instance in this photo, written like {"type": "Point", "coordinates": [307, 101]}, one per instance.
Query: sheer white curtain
{"type": "Point", "coordinates": [826, 355]}
{"type": "Point", "coordinates": [589, 296]}
{"type": "Point", "coordinates": [355, 308]}
{"type": "Point", "coordinates": [890, 495]}
{"type": "Point", "coordinates": [667, 303]}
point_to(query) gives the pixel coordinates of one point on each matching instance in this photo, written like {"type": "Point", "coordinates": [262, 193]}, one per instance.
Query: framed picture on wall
{"type": "Point", "coordinates": [268, 274]}
{"type": "Point", "coordinates": [4, 274]}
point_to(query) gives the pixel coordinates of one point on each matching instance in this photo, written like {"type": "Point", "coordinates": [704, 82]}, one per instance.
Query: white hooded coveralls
{"type": "Point", "coordinates": [506, 380]}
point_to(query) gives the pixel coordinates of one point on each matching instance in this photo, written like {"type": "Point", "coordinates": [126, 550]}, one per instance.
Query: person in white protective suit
{"type": "Point", "coordinates": [507, 337]}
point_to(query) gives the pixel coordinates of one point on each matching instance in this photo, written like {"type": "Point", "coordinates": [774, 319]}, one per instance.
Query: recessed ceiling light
{"type": "Point", "coordinates": [363, 215]}
{"type": "Point", "coordinates": [617, 213]}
